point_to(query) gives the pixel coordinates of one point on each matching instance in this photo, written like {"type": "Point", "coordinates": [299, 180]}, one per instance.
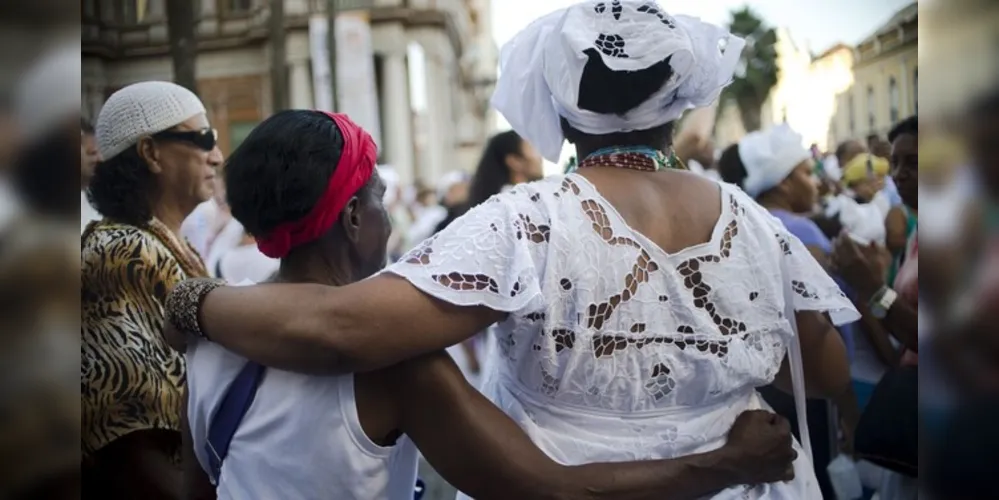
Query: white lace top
{"type": "Point", "coordinates": [613, 348]}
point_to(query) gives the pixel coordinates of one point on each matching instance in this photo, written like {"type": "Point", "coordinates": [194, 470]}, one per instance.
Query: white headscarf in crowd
{"type": "Point", "coordinates": [769, 157]}
{"type": "Point", "coordinates": [42, 103]}
{"type": "Point", "coordinates": [448, 181]}
{"type": "Point", "coordinates": [541, 68]}
{"type": "Point", "coordinates": [391, 179]}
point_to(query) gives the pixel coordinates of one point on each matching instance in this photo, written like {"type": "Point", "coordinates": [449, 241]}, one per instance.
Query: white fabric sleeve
{"type": "Point", "coordinates": [483, 258]}
{"type": "Point", "coordinates": [811, 286]}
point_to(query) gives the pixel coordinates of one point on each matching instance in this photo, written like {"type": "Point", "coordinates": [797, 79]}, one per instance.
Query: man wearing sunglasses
{"type": "Point", "coordinates": [159, 161]}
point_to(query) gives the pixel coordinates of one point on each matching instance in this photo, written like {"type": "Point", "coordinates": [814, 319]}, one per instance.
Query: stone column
{"type": "Point", "coordinates": [905, 106]}
{"type": "Point", "coordinates": [300, 86]}
{"type": "Point", "coordinates": [398, 128]}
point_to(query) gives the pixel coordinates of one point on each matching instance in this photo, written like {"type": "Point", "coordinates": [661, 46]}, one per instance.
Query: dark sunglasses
{"type": "Point", "coordinates": [206, 138]}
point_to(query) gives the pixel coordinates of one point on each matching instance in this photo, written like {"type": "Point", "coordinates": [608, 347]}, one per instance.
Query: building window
{"type": "Point", "coordinates": [142, 11]}
{"type": "Point", "coordinates": [236, 6]}
{"type": "Point", "coordinates": [894, 101]}
{"type": "Point", "coordinates": [238, 132]}
{"type": "Point", "coordinates": [871, 119]}
{"type": "Point", "coordinates": [852, 113]}
{"type": "Point", "coordinates": [915, 90]}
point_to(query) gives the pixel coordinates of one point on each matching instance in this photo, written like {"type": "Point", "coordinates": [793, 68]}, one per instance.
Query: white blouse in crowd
{"type": "Point", "coordinates": [300, 439]}
{"type": "Point", "coordinates": [865, 222]}
{"type": "Point", "coordinates": [614, 349]}
{"type": "Point", "coordinates": [200, 227]}
{"type": "Point", "coordinates": [246, 263]}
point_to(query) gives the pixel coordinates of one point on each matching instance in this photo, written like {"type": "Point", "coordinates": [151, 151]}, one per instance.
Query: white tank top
{"type": "Point", "coordinates": [300, 439]}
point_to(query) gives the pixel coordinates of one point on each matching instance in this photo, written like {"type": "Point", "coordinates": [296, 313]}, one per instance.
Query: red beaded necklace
{"type": "Point", "coordinates": [641, 159]}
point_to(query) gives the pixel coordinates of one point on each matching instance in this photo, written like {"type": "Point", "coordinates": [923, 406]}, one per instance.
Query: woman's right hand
{"type": "Point", "coordinates": [762, 442]}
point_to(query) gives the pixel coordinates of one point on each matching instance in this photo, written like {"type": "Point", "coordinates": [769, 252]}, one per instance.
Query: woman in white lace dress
{"type": "Point", "coordinates": [638, 307]}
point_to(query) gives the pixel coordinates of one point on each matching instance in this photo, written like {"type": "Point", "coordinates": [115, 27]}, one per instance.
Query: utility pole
{"type": "Point", "coordinates": [181, 31]}
{"type": "Point", "coordinates": [331, 10]}
{"type": "Point", "coordinates": [279, 67]}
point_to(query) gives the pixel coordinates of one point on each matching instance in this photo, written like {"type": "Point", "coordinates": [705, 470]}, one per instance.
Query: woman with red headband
{"type": "Point", "coordinates": [638, 306]}
{"type": "Point", "coordinates": [303, 181]}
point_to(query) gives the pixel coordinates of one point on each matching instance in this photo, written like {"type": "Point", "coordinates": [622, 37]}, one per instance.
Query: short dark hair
{"type": "Point", "coordinates": [909, 125]}
{"type": "Point", "coordinates": [605, 91]}
{"type": "Point", "coordinates": [47, 173]}
{"type": "Point", "coordinates": [843, 148]}
{"type": "Point", "coordinates": [730, 166]}
{"type": "Point", "coordinates": [121, 186]}
{"type": "Point", "coordinates": [492, 173]}
{"type": "Point", "coordinates": [86, 127]}
{"type": "Point", "coordinates": [281, 170]}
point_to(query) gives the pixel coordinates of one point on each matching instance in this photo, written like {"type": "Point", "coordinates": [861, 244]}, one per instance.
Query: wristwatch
{"type": "Point", "coordinates": [882, 301]}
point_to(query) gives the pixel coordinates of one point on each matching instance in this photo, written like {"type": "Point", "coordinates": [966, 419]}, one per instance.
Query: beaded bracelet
{"type": "Point", "coordinates": [184, 303]}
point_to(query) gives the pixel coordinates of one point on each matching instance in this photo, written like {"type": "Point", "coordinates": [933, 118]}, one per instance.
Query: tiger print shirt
{"type": "Point", "coordinates": [131, 379]}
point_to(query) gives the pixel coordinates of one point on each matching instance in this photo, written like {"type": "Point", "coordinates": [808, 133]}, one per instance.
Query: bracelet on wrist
{"type": "Point", "coordinates": [183, 305]}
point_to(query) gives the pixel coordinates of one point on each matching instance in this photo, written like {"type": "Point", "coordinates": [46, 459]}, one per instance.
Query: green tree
{"type": "Point", "coordinates": [757, 71]}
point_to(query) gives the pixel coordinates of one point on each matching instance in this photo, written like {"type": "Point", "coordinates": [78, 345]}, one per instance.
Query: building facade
{"type": "Point", "coordinates": [962, 54]}
{"type": "Point", "coordinates": [885, 83]}
{"type": "Point", "coordinates": [807, 90]}
{"type": "Point", "coordinates": [843, 93]}
{"type": "Point", "coordinates": [433, 68]}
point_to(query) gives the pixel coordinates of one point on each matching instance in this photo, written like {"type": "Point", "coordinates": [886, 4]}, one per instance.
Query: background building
{"type": "Point", "coordinates": [885, 81]}
{"type": "Point", "coordinates": [432, 68]}
{"type": "Point", "coordinates": [843, 93]}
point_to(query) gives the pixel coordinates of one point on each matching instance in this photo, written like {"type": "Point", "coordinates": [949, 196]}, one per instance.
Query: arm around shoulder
{"type": "Point", "coordinates": [485, 454]}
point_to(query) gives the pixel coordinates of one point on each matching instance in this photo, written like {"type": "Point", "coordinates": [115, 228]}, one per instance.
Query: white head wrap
{"type": "Point", "coordinates": [769, 157]}
{"type": "Point", "coordinates": [830, 164]}
{"type": "Point", "coordinates": [142, 109]}
{"type": "Point", "coordinates": [448, 181]}
{"type": "Point", "coordinates": [42, 101]}
{"type": "Point", "coordinates": [541, 68]}
{"type": "Point", "coordinates": [391, 179]}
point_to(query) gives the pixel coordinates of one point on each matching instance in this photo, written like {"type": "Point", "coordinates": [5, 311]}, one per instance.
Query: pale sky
{"type": "Point", "coordinates": [818, 24]}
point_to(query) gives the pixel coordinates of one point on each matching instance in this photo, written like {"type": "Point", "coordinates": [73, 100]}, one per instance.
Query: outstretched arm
{"type": "Point", "coordinates": [325, 330]}
{"type": "Point", "coordinates": [485, 454]}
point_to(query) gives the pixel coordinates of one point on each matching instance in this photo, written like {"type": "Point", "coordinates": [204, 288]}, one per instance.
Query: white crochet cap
{"type": "Point", "coordinates": [142, 109]}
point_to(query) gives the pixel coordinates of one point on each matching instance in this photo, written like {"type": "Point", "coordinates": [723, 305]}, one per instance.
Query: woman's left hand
{"type": "Point", "coordinates": [862, 266]}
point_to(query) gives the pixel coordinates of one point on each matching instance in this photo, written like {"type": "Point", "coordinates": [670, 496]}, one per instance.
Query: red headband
{"type": "Point", "coordinates": [356, 165]}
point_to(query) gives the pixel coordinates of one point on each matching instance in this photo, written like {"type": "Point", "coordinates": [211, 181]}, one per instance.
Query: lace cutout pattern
{"type": "Point", "coordinates": [661, 383]}
{"type": "Point", "coordinates": [616, 8]}
{"type": "Point", "coordinates": [607, 345]}
{"type": "Point", "coordinates": [421, 255]}
{"type": "Point", "coordinates": [784, 245]}
{"type": "Point", "coordinates": [597, 314]}
{"type": "Point", "coordinates": [651, 8]}
{"type": "Point", "coordinates": [598, 320]}
{"type": "Point", "coordinates": [538, 233]}
{"type": "Point", "coordinates": [693, 278]}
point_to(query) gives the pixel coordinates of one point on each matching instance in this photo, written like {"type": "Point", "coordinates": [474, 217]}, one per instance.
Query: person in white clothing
{"type": "Point", "coordinates": [246, 263]}
{"type": "Point", "coordinates": [638, 307]}
{"type": "Point", "coordinates": [351, 436]}
{"type": "Point", "coordinates": [211, 222]}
